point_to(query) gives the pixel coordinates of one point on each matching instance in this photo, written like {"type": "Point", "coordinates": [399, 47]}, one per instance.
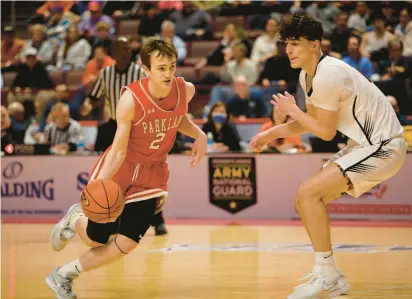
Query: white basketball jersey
{"type": "Point", "coordinates": [365, 115]}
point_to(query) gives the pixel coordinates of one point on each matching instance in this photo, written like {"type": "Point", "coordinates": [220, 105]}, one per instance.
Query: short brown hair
{"type": "Point", "coordinates": [153, 44]}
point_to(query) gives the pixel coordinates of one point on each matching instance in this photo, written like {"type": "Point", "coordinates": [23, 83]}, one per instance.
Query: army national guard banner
{"type": "Point", "coordinates": [232, 183]}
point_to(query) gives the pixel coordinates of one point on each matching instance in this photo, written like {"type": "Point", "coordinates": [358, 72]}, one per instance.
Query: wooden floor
{"type": "Point", "coordinates": [212, 262]}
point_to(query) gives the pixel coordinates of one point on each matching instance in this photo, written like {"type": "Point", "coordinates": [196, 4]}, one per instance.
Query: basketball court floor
{"type": "Point", "coordinates": [214, 262]}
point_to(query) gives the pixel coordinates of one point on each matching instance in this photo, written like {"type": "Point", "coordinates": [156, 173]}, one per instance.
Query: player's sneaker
{"type": "Point", "coordinates": [60, 285]}
{"type": "Point", "coordinates": [62, 233]}
{"type": "Point", "coordinates": [318, 284]}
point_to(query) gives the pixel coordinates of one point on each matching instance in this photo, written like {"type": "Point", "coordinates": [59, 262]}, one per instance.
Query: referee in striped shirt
{"type": "Point", "coordinates": [111, 79]}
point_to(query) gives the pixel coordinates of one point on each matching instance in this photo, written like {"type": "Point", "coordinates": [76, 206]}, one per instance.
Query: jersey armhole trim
{"type": "Point", "coordinates": [137, 100]}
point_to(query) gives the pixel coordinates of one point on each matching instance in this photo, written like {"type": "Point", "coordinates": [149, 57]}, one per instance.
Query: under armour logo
{"type": "Point", "coordinates": [150, 111]}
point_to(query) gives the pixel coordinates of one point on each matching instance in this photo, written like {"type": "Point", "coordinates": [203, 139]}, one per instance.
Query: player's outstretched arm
{"type": "Point", "coordinates": [117, 154]}
{"type": "Point", "coordinates": [190, 129]}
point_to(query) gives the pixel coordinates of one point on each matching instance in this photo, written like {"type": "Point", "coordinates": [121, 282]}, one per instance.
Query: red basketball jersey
{"type": "Point", "coordinates": [152, 135]}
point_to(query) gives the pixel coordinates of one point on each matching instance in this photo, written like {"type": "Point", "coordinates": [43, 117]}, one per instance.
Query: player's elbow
{"type": "Point", "coordinates": [119, 154]}
{"type": "Point", "coordinates": [328, 135]}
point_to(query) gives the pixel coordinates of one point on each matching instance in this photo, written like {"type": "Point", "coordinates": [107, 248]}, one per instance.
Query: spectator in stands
{"type": "Point", "coordinates": [375, 43]}
{"type": "Point", "coordinates": [39, 41]}
{"type": "Point", "coordinates": [246, 102]}
{"type": "Point", "coordinates": [265, 45]}
{"type": "Point", "coordinates": [90, 19]}
{"type": "Point", "coordinates": [395, 67]}
{"type": "Point", "coordinates": [57, 26]}
{"type": "Point", "coordinates": [8, 135]}
{"type": "Point", "coordinates": [225, 135]}
{"type": "Point", "coordinates": [11, 47]}
{"type": "Point", "coordinates": [405, 120]}
{"type": "Point", "coordinates": [17, 120]}
{"type": "Point", "coordinates": [169, 32]}
{"type": "Point", "coordinates": [356, 60]}
{"type": "Point", "coordinates": [192, 23]}
{"type": "Point", "coordinates": [170, 5]}
{"type": "Point", "coordinates": [74, 53]}
{"type": "Point", "coordinates": [340, 34]}
{"type": "Point", "coordinates": [46, 10]}
{"type": "Point", "coordinates": [359, 20]}
{"type": "Point", "coordinates": [403, 31]}
{"type": "Point", "coordinates": [281, 145]}
{"type": "Point", "coordinates": [394, 73]}
{"type": "Point", "coordinates": [277, 74]}
{"type": "Point", "coordinates": [232, 35]}
{"type": "Point", "coordinates": [324, 12]}
{"type": "Point", "coordinates": [326, 48]}
{"type": "Point", "coordinates": [102, 38]}
{"type": "Point", "coordinates": [32, 73]}
{"type": "Point", "coordinates": [64, 132]}
{"type": "Point", "coordinates": [63, 96]}
{"type": "Point", "coordinates": [240, 65]}
{"type": "Point", "coordinates": [100, 61]}
{"type": "Point", "coordinates": [151, 21]}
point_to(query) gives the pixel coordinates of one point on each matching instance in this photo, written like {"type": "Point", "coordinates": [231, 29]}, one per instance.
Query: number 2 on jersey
{"type": "Point", "coordinates": [159, 138]}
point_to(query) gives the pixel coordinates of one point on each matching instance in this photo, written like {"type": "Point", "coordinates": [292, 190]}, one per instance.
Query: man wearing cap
{"type": "Point", "coordinates": [32, 76]}
{"type": "Point", "coordinates": [11, 47]}
{"type": "Point", "coordinates": [90, 19]}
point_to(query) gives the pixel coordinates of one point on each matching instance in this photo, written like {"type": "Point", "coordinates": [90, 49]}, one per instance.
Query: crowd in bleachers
{"type": "Point", "coordinates": [229, 49]}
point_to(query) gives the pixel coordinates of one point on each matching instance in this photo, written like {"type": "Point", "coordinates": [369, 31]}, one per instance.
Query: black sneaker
{"type": "Point", "coordinates": [160, 230]}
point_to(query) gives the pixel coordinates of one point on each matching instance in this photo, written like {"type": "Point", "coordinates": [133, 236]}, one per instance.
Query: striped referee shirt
{"type": "Point", "coordinates": [110, 82]}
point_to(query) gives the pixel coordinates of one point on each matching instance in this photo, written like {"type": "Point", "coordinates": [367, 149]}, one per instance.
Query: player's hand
{"type": "Point", "coordinates": [199, 149]}
{"type": "Point", "coordinates": [283, 103]}
{"type": "Point", "coordinates": [259, 141]}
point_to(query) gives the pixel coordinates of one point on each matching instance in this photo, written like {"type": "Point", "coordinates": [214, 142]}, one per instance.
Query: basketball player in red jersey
{"type": "Point", "coordinates": [149, 114]}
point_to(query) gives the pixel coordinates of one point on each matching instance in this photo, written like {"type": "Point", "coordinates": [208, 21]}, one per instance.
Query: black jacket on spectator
{"type": "Point", "coordinates": [11, 137]}
{"type": "Point", "coordinates": [339, 41]}
{"type": "Point", "coordinates": [278, 68]}
{"type": "Point", "coordinates": [36, 78]}
{"type": "Point", "coordinates": [228, 135]}
{"type": "Point", "coordinates": [217, 57]}
{"type": "Point", "coordinates": [150, 27]}
{"type": "Point", "coordinates": [251, 107]}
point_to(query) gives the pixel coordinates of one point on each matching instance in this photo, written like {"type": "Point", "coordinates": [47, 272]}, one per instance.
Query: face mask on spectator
{"type": "Point", "coordinates": [219, 118]}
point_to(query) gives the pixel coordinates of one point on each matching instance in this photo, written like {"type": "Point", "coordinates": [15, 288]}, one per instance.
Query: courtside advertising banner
{"type": "Point", "coordinates": [223, 186]}
{"type": "Point", "coordinates": [41, 187]}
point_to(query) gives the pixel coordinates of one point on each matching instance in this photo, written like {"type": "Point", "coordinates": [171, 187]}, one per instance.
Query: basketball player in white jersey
{"type": "Point", "coordinates": [338, 98]}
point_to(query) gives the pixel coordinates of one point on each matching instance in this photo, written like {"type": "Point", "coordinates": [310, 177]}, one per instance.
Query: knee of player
{"type": "Point", "coordinates": [124, 244]}
{"type": "Point", "coordinates": [297, 207]}
{"type": "Point", "coordinates": [306, 194]}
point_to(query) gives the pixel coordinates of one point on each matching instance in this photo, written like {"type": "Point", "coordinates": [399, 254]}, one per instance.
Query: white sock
{"type": "Point", "coordinates": [71, 270]}
{"type": "Point", "coordinates": [325, 263]}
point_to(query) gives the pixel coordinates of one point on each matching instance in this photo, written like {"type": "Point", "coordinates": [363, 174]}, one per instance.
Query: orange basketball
{"type": "Point", "coordinates": [102, 201]}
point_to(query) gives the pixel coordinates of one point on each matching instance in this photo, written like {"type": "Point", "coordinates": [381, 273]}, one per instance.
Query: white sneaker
{"type": "Point", "coordinates": [62, 233]}
{"type": "Point", "coordinates": [318, 284]}
{"type": "Point", "coordinates": [60, 285]}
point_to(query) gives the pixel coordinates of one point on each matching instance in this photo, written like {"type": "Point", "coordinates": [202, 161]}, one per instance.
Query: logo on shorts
{"type": "Point", "coordinates": [84, 200]}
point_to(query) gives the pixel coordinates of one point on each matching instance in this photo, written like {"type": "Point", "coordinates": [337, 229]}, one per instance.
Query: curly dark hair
{"type": "Point", "coordinates": [301, 26]}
